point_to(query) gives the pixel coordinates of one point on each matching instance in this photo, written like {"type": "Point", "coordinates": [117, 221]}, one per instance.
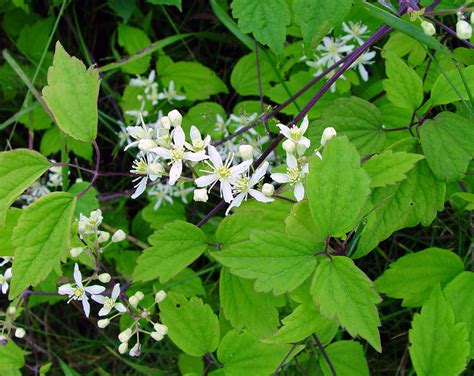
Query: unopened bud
{"type": "Point", "coordinates": [122, 349]}
{"type": "Point", "coordinates": [133, 300]}
{"type": "Point", "coordinates": [136, 350]}
{"type": "Point", "coordinates": [161, 329]}
{"type": "Point", "coordinates": [81, 228]}
{"type": "Point", "coordinates": [289, 146]}
{"type": "Point", "coordinates": [104, 323]}
{"type": "Point", "coordinates": [328, 133]}
{"type": "Point", "coordinates": [118, 236]}
{"type": "Point", "coordinates": [140, 295]}
{"type": "Point", "coordinates": [125, 335]}
{"type": "Point", "coordinates": [463, 30]}
{"type": "Point", "coordinates": [20, 332]}
{"type": "Point", "coordinates": [146, 145]}
{"type": "Point", "coordinates": [200, 195]}
{"type": "Point", "coordinates": [155, 168]}
{"type": "Point", "coordinates": [300, 149]}
{"type": "Point", "coordinates": [175, 118]}
{"type": "Point", "coordinates": [165, 122]}
{"type": "Point", "coordinates": [157, 336]}
{"type": "Point", "coordinates": [246, 152]}
{"type": "Point", "coordinates": [428, 28]}
{"type": "Point", "coordinates": [105, 277]}
{"type": "Point", "coordinates": [11, 310]}
{"type": "Point", "coordinates": [268, 189]}
{"type": "Point", "coordinates": [75, 252]}
{"type": "Point", "coordinates": [103, 237]}
{"type": "Point", "coordinates": [160, 296]}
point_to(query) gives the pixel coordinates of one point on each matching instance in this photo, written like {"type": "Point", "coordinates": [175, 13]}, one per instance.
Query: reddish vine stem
{"type": "Point", "coordinates": [96, 172]}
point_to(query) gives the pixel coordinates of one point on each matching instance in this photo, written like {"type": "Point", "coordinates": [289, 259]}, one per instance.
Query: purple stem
{"type": "Point", "coordinates": [96, 172]}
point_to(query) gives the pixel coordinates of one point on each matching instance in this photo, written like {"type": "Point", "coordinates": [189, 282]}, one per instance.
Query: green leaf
{"type": "Point", "coordinates": [192, 325]}
{"type": "Point", "coordinates": [11, 357]}
{"type": "Point", "coordinates": [347, 357]}
{"type": "Point", "coordinates": [468, 198]}
{"type": "Point", "coordinates": [190, 364]}
{"type": "Point", "coordinates": [337, 188]}
{"type": "Point", "coordinates": [176, 3]}
{"type": "Point", "coordinates": [87, 202]}
{"type": "Point", "coordinates": [133, 40]}
{"type": "Point", "coordinates": [41, 238]}
{"type": "Point", "coordinates": [71, 95]}
{"type": "Point", "coordinates": [243, 354]}
{"type": "Point", "coordinates": [266, 20]}
{"type": "Point", "coordinates": [389, 168]}
{"type": "Point", "coordinates": [277, 261]}
{"type": "Point", "coordinates": [34, 38]}
{"type": "Point", "coordinates": [186, 283]}
{"type": "Point", "coordinates": [413, 276]}
{"type": "Point", "coordinates": [174, 247]}
{"type": "Point", "coordinates": [317, 17]}
{"type": "Point", "coordinates": [460, 295]}
{"type": "Point", "coordinates": [246, 308]}
{"type": "Point", "coordinates": [439, 346]}
{"type": "Point", "coordinates": [451, 87]}
{"type": "Point", "coordinates": [404, 87]}
{"type": "Point", "coordinates": [6, 246]}
{"type": "Point", "coordinates": [165, 214]}
{"type": "Point", "coordinates": [51, 143]}
{"type": "Point", "coordinates": [204, 117]}
{"type": "Point", "coordinates": [360, 121]}
{"type": "Point", "coordinates": [448, 143]}
{"type": "Point", "coordinates": [342, 290]}
{"type": "Point", "coordinates": [18, 170]}
{"type": "Point", "coordinates": [197, 81]}
{"type": "Point", "coordinates": [37, 119]}
{"type": "Point", "coordinates": [123, 8]}
{"type": "Point", "coordinates": [300, 223]}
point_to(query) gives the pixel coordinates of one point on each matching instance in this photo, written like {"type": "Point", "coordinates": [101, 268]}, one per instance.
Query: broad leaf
{"type": "Point", "coordinates": [342, 290]}
{"type": "Point", "coordinates": [133, 40]}
{"type": "Point", "coordinates": [439, 346]}
{"type": "Point", "coordinates": [18, 170]}
{"type": "Point", "coordinates": [174, 247]}
{"type": "Point", "coordinates": [41, 238]}
{"type": "Point", "coordinates": [277, 261]}
{"type": "Point", "coordinates": [337, 188]}
{"type": "Point", "coordinates": [413, 276]}
{"type": "Point", "coordinates": [448, 143]}
{"type": "Point", "coordinates": [451, 87]}
{"type": "Point", "coordinates": [163, 215]}
{"type": "Point", "coordinates": [6, 246]}
{"type": "Point", "coordinates": [71, 95]}
{"type": "Point", "coordinates": [192, 325]}
{"type": "Point", "coordinates": [300, 223]}
{"type": "Point", "coordinates": [347, 357]}
{"type": "Point", "coordinates": [11, 358]}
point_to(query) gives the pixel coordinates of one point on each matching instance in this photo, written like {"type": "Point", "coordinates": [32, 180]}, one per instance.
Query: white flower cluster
{"type": "Point", "coordinates": [6, 275]}
{"type": "Point", "coordinates": [8, 326]}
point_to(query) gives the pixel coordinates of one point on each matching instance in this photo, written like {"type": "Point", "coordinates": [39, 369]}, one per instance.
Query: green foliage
{"type": "Point", "coordinates": [299, 223]}
{"type": "Point", "coordinates": [71, 95]}
{"type": "Point", "coordinates": [347, 357]}
{"type": "Point", "coordinates": [342, 290]}
{"type": "Point", "coordinates": [244, 77]}
{"type": "Point", "coordinates": [174, 247]}
{"type": "Point", "coordinates": [51, 143]}
{"type": "Point", "coordinates": [439, 345]}
{"type": "Point", "coordinates": [192, 325]}
{"type": "Point", "coordinates": [41, 238]}
{"type": "Point", "coordinates": [451, 86]}
{"type": "Point", "coordinates": [12, 358]}
{"type": "Point", "coordinates": [6, 246]}
{"type": "Point", "coordinates": [132, 40]}
{"type": "Point", "coordinates": [18, 170]}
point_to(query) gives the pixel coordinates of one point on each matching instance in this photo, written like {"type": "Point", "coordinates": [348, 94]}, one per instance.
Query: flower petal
{"type": "Point", "coordinates": [280, 178]}
{"type": "Point", "coordinates": [206, 180]}
{"type": "Point", "coordinates": [304, 124]}
{"type": "Point", "coordinates": [98, 298]}
{"type": "Point", "coordinates": [195, 157]}
{"type": "Point", "coordinates": [259, 196]}
{"type": "Point", "coordinates": [291, 161]}
{"type": "Point", "coordinates": [240, 168]}
{"type": "Point", "coordinates": [175, 172]}
{"type": "Point", "coordinates": [258, 174]}
{"type": "Point", "coordinates": [161, 152]}
{"type": "Point", "coordinates": [104, 311]}
{"type": "Point", "coordinates": [65, 289]}
{"type": "Point", "coordinates": [178, 136]}
{"type": "Point", "coordinates": [299, 191]}
{"type": "Point", "coordinates": [226, 191]}
{"type": "Point", "coordinates": [120, 307]}
{"type": "Point", "coordinates": [140, 187]}
{"type": "Point", "coordinates": [115, 291]}
{"type": "Point", "coordinates": [77, 275]}
{"type": "Point", "coordinates": [86, 305]}
{"type": "Point", "coordinates": [94, 289]}
{"type": "Point", "coordinates": [214, 156]}
{"type": "Point", "coordinates": [284, 130]}
{"type": "Point", "coordinates": [236, 202]}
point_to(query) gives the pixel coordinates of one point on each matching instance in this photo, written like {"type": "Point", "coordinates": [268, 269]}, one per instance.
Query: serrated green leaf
{"type": "Point", "coordinates": [71, 95]}
{"type": "Point", "coordinates": [174, 247]}
{"type": "Point", "coordinates": [389, 168]}
{"type": "Point", "coordinates": [165, 214]}
{"type": "Point", "coordinates": [266, 20]}
{"type": "Point", "coordinates": [337, 188]}
{"type": "Point", "coordinates": [359, 120]}
{"type": "Point", "coordinates": [123, 8]}
{"type": "Point", "coordinates": [33, 38]}
{"type": "Point", "coordinates": [11, 357]}
{"type": "Point", "coordinates": [277, 261]}
{"type": "Point", "coordinates": [468, 198]}
{"type": "Point", "coordinates": [347, 357]}
{"type": "Point", "coordinates": [204, 116]}
{"type": "Point", "coordinates": [18, 170]}
{"type": "Point", "coordinates": [300, 223]}
{"type": "Point", "coordinates": [192, 325]}
{"type": "Point", "coordinates": [439, 346]}
{"type": "Point", "coordinates": [41, 238]}
{"type": "Point", "coordinates": [460, 295]}
{"type": "Point", "coordinates": [246, 308]}
{"type": "Point", "coordinates": [448, 143]}
{"type": "Point", "coordinates": [6, 246]}
{"type": "Point", "coordinates": [413, 276]}
{"type": "Point", "coordinates": [451, 87]}
{"type": "Point", "coordinates": [342, 290]}
{"type": "Point", "coordinates": [404, 87]}
{"type": "Point", "coordinates": [132, 40]}
{"type": "Point", "coordinates": [186, 283]}
{"type": "Point", "coordinates": [243, 354]}
{"type": "Point", "coordinates": [37, 119]}
{"type": "Point", "coordinates": [87, 202]}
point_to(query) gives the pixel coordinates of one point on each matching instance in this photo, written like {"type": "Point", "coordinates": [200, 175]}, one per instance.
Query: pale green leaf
{"type": "Point", "coordinates": [33, 38]}
{"type": "Point", "coordinates": [448, 143]}
{"type": "Point", "coordinates": [6, 246]}
{"type": "Point", "coordinates": [133, 40]}
{"type": "Point", "coordinates": [468, 198]}
{"type": "Point", "coordinates": [342, 290]}
{"type": "Point", "coordinates": [71, 95]}
{"type": "Point", "coordinates": [347, 357]}
{"type": "Point", "coordinates": [277, 261]}
{"type": "Point", "coordinates": [190, 364]}
{"type": "Point", "coordinates": [164, 214]}
{"type": "Point", "coordinates": [337, 188]}
{"type": "Point", "coordinates": [123, 8]}
{"type": "Point", "coordinates": [192, 325]}
{"type": "Point", "coordinates": [204, 116]}
{"type": "Point", "coordinates": [413, 276]}
{"type": "Point", "coordinates": [451, 87]}
{"type": "Point", "coordinates": [186, 283]}
{"type": "Point", "coordinates": [439, 346]}
{"type": "Point", "coordinates": [174, 247]}
{"type": "Point", "coordinates": [300, 223]}
{"type": "Point", "coordinates": [18, 170]}
{"type": "Point", "coordinates": [267, 20]}
{"type": "Point", "coordinates": [389, 168]}
{"type": "Point", "coordinates": [11, 357]}
{"type": "Point", "coordinates": [243, 354]}
{"type": "Point", "coordinates": [37, 119]}
{"type": "Point", "coordinates": [41, 238]}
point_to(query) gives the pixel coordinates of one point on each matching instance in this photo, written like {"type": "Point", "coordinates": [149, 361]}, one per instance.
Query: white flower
{"type": "Point", "coordinates": [140, 295]}
{"type": "Point", "coordinates": [163, 193]}
{"type": "Point", "coordinates": [125, 335]}
{"type": "Point", "coordinates": [294, 175]}
{"type": "Point", "coordinates": [331, 50]}
{"type": "Point", "coordinates": [222, 172]}
{"type": "Point", "coordinates": [103, 323]}
{"type": "Point", "coordinates": [243, 120]}
{"type": "Point", "coordinates": [268, 189]}
{"type": "Point", "coordinates": [364, 59]}
{"type": "Point", "coordinates": [75, 252]}
{"type": "Point", "coordinates": [197, 142]}
{"type": "Point", "coordinates": [296, 134]}
{"type": "Point", "coordinates": [354, 31]}
{"type": "Point", "coordinates": [122, 349]}
{"type": "Point", "coordinates": [175, 118]}
{"type": "Point", "coordinates": [220, 124]}
{"type": "Point", "coordinates": [11, 310]}
{"type": "Point", "coordinates": [4, 278]}
{"type": "Point", "coordinates": [55, 177]}
{"type": "Point", "coordinates": [160, 296]}
{"type": "Point", "coordinates": [103, 237]}
{"type": "Point", "coordinates": [246, 152]}
{"type": "Point", "coordinates": [136, 350]}
{"type": "Point", "coordinates": [149, 168]}
{"type": "Point", "coordinates": [328, 133]}
{"type": "Point", "coordinates": [200, 195]}
{"type": "Point", "coordinates": [428, 28]}
{"type": "Point", "coordinates": [463, 30]}
{"type": "Point", "coordinates": [118, 236]}
{"type": "Point", "coordinates": [171, 94]}
{"type": "Point", "coordinates": [157, 336]}
{"type": "Point", "coordinates": [243, 186]}
{"type": "Point", "coordinates": [160, 328]}
{"type": "Point", "coordinates": [89, 225]}
{"type": "Point", "coordinates": [138, 114]}
{"type": "Point", "coordinates": [177, 154]}
{"type": "Point", "coordinates": [148, 83]}
{"type": "Point", "coordinates": [79, 291]}
{"type": "Point", "coordinates": [143, 136]}
{"type": "Point", "coordinates": [133, 300]}
{"type": "Point", "coordinates": [289, 146]}
{"type": "Point", "coordinates": [20, 332]}
{"type": "Point", "coordinates": [109, 303]}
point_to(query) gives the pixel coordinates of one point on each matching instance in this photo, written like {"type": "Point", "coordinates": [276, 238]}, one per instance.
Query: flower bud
{"type": "Point", "coordinates": [11, 310]}
{"type": "Point", "coordinates": [118, 236]}
{"type": "Point", "coordinates": [463, 30]}
{"type": "Point", "coordinates": [157, 336]}
{"type": "Point", "coordinates": [300, 149]}
{"type": "Point", "coordinates": [140, 295]}
{"type": "Point", "coordinates": [200, 195]}
{"type": "Point", "coordinates": [155, 168]}
{"type": "Point", "coordinates": [104, 236]}
{"type": "Point", "coordinates": [160, 296]}
{"type": "Point", "coordinates": [175, 118]}
{"type": "Point", "coordinates": [133, 300]}
{"type": "Point", "coordinates": [161, 329]}
{"type": "Point", "coordinates": [268, 189]}
{"type": "Point", "coordinates": [125, 335]}
{"type": "Point", "coordinates": [289, 146]}
{"type": "Point", "coordinates": [81, 228]}
{"type": "Point", "coordinates": [75, 252]}
{"type": "Point", "coordinates": [20, 332]}
{"type": "Point", "coordinates": [165, 122]}
{"type": "Point", "coordinates": [3, 340]}
{"type": "Point", "coordinates": [105, 277]}
{"type": "Point", "coordinates": [104, 323]}
{"type": "Point", "coordinates": [122, 349]}
{"type": "Point", "coordinates": [328, 133]}
{"type": "Point", "coordinates": [136, 350]}
{"type": "Point", "coordinates": [246, 152]}
{"type": "Point", "coordinates": [428, 28]}
{"type": "Point", "coordinates": [146, 145]}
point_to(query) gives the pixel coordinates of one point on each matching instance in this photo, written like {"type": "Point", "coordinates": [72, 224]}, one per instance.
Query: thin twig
{"type": "Point", "coordinates": [324, 354]}
{"type": "Point", "coordinates": [285, 359]}
{"type": "Point", "coordinates": [96, 172]}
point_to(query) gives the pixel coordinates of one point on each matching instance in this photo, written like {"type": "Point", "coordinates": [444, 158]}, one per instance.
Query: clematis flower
{"type": "Point", "coordinates": [148, 83]}
{"type": "Point", "coordinates": [332, 50]}
{"type": "Point", "coordinates": [78, 291]}
{"type": "Point", "coordinates": [197, 142]}
{"type": "Point", "coordinates": [4, 278]}
{"type": "Point", "coordinates": [171, 94]}
{"type": "Point", "coordinates": [355, 30]}
{"type": "Point", "coordinates": [364, 59]}
{"type": "Point", "coordinates": [149, 168]}
{"type": "Point", "coordinates": [296, 134]}
{"type": "Point", "coordinates": [109, 302]}
{"type": "Point", "coordinates": [143, 136]}
{"type": "Point", "coordinates": [294, 176]}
